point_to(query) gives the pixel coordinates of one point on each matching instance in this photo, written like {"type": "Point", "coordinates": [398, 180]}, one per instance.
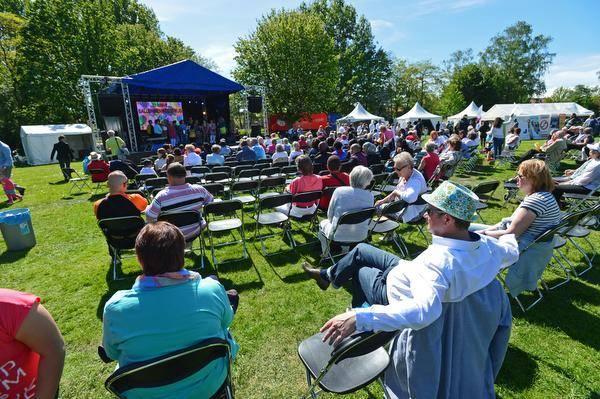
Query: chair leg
{"type": "Point", "coordinates": [401, 245]}
{"type": "Point", "coordinates": [587, 259]}
{"type": "Point", "coordinates": [245, 250]}
{"type": "Point", "coordinates": [525, 309]}
{"type": "Point", "coordinates": [564, 269]}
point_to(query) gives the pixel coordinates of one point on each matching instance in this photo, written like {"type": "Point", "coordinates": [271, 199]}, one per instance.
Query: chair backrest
{"type": "Point", "coordinates": [270, 182]}
{"type": "Point", "coordinates": [169, 368]}
{"type": "Point", "coordinates": [392, 208]}
{"type": "Point", "coordinates": [244, 186]}
{"type": "Point", "coordinates": [142, 178]}
{"type": "Point", "coordinates": [248, 173]}
{"type": "Point", "coordinates": [200, 170]}
{"type": "Point", "coordinates": [270, 171]}
{"type": "Point", "coordinates": [192, 179]}
{"type": "Point", "coordinates": [224, 169]}
{"type": "Point", "coordinates": [290, 171]}
{"type": "Point", "coordinates": [486, 189]}
{"type": "Point", "coordinates": [356, 217]}
{"type": "Point", "coordinates": [274, 201]}
{"type": "Point", "coordinates": [212, 177]}
{"type": "Point", "coordinates": [156, 182]}
{"type": "Point", "coordinates": [380, 178]}
{"type": "Point", "coordinates": [308, 196]}
{"type": "Point", "coordinates": [360, 344]}
{"type": "Point", "coordinates": [267, 161]}
{"type": "Point", "coordinates": [181, 218]}
{"type": "Point", "coordinates": [121, 232]}
{"type": "Point", "coordinates": [222, 207]}
{"type": "Point", "coordinates": [214, 188]}
{"type": "Point", "coordinates": [377, 168]}
{"type": "Point", "coordinates": [238, 169]}
{"type": "Point", "coordinates": [231, 163]}
{"type": "Point", "coordinates": [324, 173]}
{"type": "Point", "coordinates": [328, 191]}
{"type": "Point", "coordinates": [96, 171]}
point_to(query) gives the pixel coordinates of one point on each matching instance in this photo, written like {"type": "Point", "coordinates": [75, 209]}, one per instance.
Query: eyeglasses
{"type": "Point", "coordinates": [429, 211]}
{"type": "Point", "coordinates": [399, 169]}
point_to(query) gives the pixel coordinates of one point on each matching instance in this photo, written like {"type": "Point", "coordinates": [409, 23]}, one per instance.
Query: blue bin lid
{"type": "Point", "coordinates": [15, 216]}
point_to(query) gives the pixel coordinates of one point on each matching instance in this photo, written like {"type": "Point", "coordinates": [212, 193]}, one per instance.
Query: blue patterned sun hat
{"type": "Point", "coordinates": [454, 199]}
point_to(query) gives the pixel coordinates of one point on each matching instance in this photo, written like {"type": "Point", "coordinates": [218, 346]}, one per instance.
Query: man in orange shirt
{"type": "Point", "coordinates": [117, 202]}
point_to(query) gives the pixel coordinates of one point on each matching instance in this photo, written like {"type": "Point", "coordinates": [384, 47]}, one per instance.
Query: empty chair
{"type": "Point", "coordinates": [309, 197]}
{"type": "Point", "coordinates": [154, 183]}
{"type": "Point", "coordinates": [193, 179]}
{"type": "Point", "coordinates": [271, 186]}
{"type": "Point", "coordinates": [223, 217]}
{"type": "Point", "coordinates": [219, 177]}
{"type": "Point", "coordinates": [377, 168]}
{"type": "Point", "coordinates": [266, 216]}
{"type": "Point", "coordinates": [248, 174]}
{"type": "Point", "coordinates": [78, 182]}
{"type": "Point", "coordinates": [225, 169]}
{"type": "Point", "coordinates": [485, 191]}
{"type": "Point", "coordinates": [353, 364]}
{"type": "Point", "coordinates": [247, 188]}
{"type": "Point", "coordinates": [141, 179]}
{"type": "Point", "coordinates": [199, 170]}
{"type": "Point", "coordinates": [216, 189]}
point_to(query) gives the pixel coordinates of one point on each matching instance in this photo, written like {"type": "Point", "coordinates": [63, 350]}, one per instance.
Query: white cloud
{"type": "Point", "coordinates": [222, 55]}
{"type": "Point", "coordinates": [427, 7]}
{"type": "Point", "coordinates": [380, 24]}
{"type": "Point", "coordinates": [569, 71]}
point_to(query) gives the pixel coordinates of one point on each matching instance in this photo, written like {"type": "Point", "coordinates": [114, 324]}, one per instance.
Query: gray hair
{"type": "Point", "coordinates": [360, 177]}
{"type": "Point", "coordinates": [369, 148]}
{"type": "Point", "coordinates": [279, 147]}
{"type": "Point", "coordinates": [403, 159]}
{"type": "Point", "coordinates": [253, 142]}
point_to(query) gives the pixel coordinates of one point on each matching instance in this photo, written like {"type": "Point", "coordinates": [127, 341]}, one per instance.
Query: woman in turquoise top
{"type": "Point", "coordinates": [167, 309]}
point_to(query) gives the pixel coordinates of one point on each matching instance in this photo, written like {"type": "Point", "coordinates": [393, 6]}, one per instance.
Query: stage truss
{"type": "Point", "coordinates": [84, 83]}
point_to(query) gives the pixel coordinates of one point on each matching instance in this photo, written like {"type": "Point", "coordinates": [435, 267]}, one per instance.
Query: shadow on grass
{"type": "Point", "coordinates": [58, 183]}
{"type": "Point", "coordinates": [521, 373]}
{"type": "Point", "coordinates": [73, 195]}
{"type": "Point", "coordinates": [95, 197]}
{"type": "Point", "coordinates": [126, 282]}
{"type": "Point", "coordinates": [560, 310]}
{"type": "Point", "coordinates": [12, 256]}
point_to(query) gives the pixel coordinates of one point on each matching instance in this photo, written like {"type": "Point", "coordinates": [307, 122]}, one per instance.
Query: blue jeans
{"type": "Point", "coordinates": [498, 144]}
{"type": "Point", "coordinates": [368, 268]}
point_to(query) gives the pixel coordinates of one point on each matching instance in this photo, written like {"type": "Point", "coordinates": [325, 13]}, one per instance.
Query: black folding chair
{"type": "Point", "coordinates": [265, 216]}
{"type": "Point", "coordinates": [199, 171]}
{"type": "Point", "coordinates": [222, 169]}
{"type": "Point", "coordinates": [269, 186]}
{"type": "Point", "coordinates": [182, 219]}
{"type": "Point", "coordinates": [377, 168]}
{"type": "Point", "coordinates": [216, 189]}
{"type": "Point", "coordinates": [171, 368]}
{"type": "Point", "coordinates": [140, 180]}
{"type": "Point", "coordinates": [386, 223]}
{"type": "Point", "coordinates": [155, 183]}
{"type": "Point", "coordinates": [248, 174]}
{"type": "Point", "coordinates": [219, 221]}
{"type": "Point", "coordinates": [120, 234]}
{"type": "Point", "coordinates": [218, 177]}
{"type": "Point", "coordinates": [78, 182]}
{"type": "Point", "coordinates": [352, 365]}
{"type": "Point", "coordinates": [306, 197]}
{"type": "Point", "coordinates": [268, 172]}
{"type": "Point", "coordinates": [485, 191]}
{"type": "Point", "coordinates": [193, 179]}
{"type": "Point", "coordinates": [348, 218]}
{"type": "Point", "coordinates": [248, 188]}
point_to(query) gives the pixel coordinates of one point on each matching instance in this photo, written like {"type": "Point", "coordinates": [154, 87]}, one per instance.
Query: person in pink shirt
{"type": "Point", "coordinates": [304, 183]}
{"type": "Point", "coordinates": [272, 149]}
{"type": "Point", "coordinates": [430, 161]}
{"type": "Point", "coordinates": [385, 133]}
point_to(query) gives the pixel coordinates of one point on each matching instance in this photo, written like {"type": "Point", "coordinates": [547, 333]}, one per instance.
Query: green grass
{"type": "Point", "coordinates": [554, 349]}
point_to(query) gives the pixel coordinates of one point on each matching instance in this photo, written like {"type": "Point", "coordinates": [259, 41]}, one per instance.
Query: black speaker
{"type": "Point", "coordinates": [255, 130]}
{"type": "Point", "coordinates": [255, 104]}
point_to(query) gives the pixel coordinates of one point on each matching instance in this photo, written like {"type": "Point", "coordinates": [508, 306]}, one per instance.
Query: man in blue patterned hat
{"type": "Point", "coordinates": [408, 296]}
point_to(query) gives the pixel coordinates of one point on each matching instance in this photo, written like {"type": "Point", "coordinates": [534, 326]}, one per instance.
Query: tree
{"type": "Point", "coordinates": [456, 61]}
{"type": "Point", "coordinates": [10, 27]}
{"type": "Point", "coordinates": [522, 57]}
{"type": "Point", "coordinates": [586, 96]}
{"type": "Point", "coordinates": [292, 56]}
{"type": "Point", "coordinates": [412, 82]}
{"type": "Point", "coordinates": [363, 68]}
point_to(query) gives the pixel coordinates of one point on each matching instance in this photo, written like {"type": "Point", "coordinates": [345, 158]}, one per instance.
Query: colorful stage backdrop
{"type": "Point", "coordinates": [151, 111]}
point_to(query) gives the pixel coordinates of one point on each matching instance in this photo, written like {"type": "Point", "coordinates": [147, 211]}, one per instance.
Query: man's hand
{"type": "Point", "coordinates": [339, 327]}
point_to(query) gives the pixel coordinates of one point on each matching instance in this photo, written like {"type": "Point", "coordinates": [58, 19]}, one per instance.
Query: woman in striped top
{"type": "Point", "coordinates": [539, 210]}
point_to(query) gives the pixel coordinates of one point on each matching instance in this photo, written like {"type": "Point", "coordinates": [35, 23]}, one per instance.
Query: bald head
{"type": "Point", "coordinates": [117, 182]}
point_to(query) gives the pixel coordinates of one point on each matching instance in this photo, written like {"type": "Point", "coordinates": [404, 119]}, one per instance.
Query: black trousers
{"type": "Point", "coordinates": [65, 163]}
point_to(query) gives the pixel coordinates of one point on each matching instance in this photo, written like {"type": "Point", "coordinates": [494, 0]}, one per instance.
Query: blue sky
{"type": "Point", "coordinates": [411, 29]}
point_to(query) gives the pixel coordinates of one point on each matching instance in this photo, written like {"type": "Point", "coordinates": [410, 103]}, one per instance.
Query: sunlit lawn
{"type": "Point", "coordinates": [554, 349]}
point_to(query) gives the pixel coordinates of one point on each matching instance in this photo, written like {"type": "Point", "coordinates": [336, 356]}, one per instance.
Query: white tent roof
{"type": "Point", "coordinates": [38, 140]}
{"type": "Point", "coordinates": [359, 113]}
{"type": "Point", "coordinates": [417, 112]}
{"type": "Point", "coordinates": [472, 111]}
{"type": "Point", "coordinates": [505, 111]}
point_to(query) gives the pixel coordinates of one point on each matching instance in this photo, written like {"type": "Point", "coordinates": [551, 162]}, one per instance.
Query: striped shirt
{"type": "Point", "coordinates": [184, 197]}
{"type": "Point", "coordinates": [547, 215]}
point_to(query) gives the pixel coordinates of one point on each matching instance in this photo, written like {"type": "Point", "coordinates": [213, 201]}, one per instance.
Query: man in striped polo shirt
{"type": "Point", "coordinates": [179, 196]}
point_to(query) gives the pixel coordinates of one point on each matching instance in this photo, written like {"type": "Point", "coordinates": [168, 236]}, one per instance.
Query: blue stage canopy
{"type": "Point", "coordinates": [181, 78]}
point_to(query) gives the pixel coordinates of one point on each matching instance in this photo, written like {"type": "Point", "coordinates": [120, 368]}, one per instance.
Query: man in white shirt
{"type": "Point", "coordinates": [409, 294]}
{"type": "Point", "coordinates": [582, 180]}
{"type": "Point", "coordinates": [191, 158]}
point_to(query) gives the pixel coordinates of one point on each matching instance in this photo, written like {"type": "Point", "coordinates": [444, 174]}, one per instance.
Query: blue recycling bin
{"type": "Point", "coordinates": [16, 228]}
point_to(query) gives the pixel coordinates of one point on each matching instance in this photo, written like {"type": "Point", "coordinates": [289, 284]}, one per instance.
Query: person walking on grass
{"type": "Point", "coordinates": [64, 155]}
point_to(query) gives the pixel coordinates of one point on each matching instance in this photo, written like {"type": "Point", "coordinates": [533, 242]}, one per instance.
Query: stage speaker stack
{"type": "Point", "coordinates": [255, 104]}
{"type": "Point", "coordinates": [255, 130]}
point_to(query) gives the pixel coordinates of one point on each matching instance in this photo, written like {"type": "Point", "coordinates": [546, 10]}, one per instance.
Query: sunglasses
{"type": "Point", "coordinates": [429, 211]}
{"type": "Point", "coordinates": [399, 169]}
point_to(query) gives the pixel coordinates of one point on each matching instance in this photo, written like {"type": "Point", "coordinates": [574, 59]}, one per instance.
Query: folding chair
{"type": "Point", "coordinates": [290, 172]}
{"type": "Point", "coordinates": [193, 179]}
{"type": "Point", "coordinates": [233, 163]}
{"type": "Point", "coordinates": [78, 182]}
{"type": "Point", "coordinates": [199, 171]}
{"type": "Point", "coordinates": [581, 201]}
{"type": "Point", "coordinates": [216, 189]}
{"type": "Point", "coordinates": [378, 182]}
{"type": "Point", "coordinates": [265, 216]}
{"type": "Point", "coordinates": [377, 168]}
{"type": "Point", "coordinates": [348, 218]}
{"type": "Point", "coordinates": [99, 183]}
{"type": "Point", "coordinates": [572, 230]}
{"type": "Point", "coordinates": [310, 196]}
{"type": "Point", "coordinates": [270, 184]}
{"type": "Point", "coordinates": [215, 213]}
{"type": "Point", "coordinates": [222, 169]}
{"type": "Point", "coordinates": [171, 368]}
{"type": "Point", "coordinates": [140, 180]}
{"type": "Point", "coordinates": [352, 365]}
{"type": "Point", "coordinates": [120, 234]}
{"type": "Point", "coordinates": [485, 191]}
{"type": "Point", "coordinates": [182, 219]}
{"type": "Point", "coordinates": [235, 172]}
{"type": "Point", "coordinates": [218, 177]}
{"type": "Point", "coordinates": [385, 224]}
{"type": "Point", "coordinates": [248, 174]}
{"type": "Point", "coordinates": [249, 187]}
{"type": "Point", "coordinates": [511, 191]}
{"type": "Point", "coordinates": [155, 183]}
{"type": "Point", "coordinates": [387, 186]}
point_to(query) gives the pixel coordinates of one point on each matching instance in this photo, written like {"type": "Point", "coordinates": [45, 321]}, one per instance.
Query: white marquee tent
{"type": "Point", "coordinates": [38, 140]}
{"type": "Point", "coordinates": [535, 120]}
{"type": "Point", "coordinates": [472, 111]}
{"type": "Point", "coordinates": [415, 113]}
{"type": "Point", "coordinates": [358, 114]}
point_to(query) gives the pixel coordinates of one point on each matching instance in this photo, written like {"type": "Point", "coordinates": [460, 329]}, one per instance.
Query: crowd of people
{"type": "Point", "coordinates": [388, 293]}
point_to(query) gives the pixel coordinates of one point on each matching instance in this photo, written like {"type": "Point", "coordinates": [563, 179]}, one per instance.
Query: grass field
{"type": "Point", "coordinates": [554, 349]}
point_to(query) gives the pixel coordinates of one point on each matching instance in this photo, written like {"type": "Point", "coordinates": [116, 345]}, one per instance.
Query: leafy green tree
{"type": "Point", "coordinates": [586, 96]}
{"type": "Point", "coordinates": [521, 57]}
{"type": "Point", "coordinates": [293, 57]}
{"type": "Point", "coordinates": [363, 68]}
{"type": "Point", "coordinates": [10, 27]}
{"type": "Point", "coordinates": [412, 82]}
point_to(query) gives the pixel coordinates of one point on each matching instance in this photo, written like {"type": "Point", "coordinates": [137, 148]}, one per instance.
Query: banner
{"type": "Point", "coordinates": [308, 122]}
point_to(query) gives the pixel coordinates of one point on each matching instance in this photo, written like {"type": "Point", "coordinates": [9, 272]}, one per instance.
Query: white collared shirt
{"type": "Point", "coordinates": [587, 175]}
{"type": "Point", "coordinates": [447, 271]}
{"type": "Point", "coordinates": [409, 191]}
{"type": "Point", "coordinates": [192, 159]}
